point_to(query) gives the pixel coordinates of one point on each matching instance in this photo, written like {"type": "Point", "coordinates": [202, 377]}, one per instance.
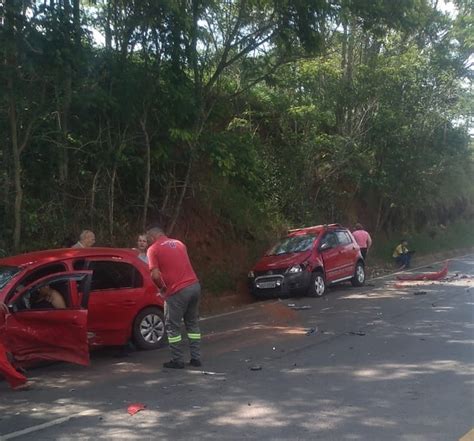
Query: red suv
{"type": "Point", "coordinates": [307, 260]}
{"type": "Point", "coordinates": [109, 297]}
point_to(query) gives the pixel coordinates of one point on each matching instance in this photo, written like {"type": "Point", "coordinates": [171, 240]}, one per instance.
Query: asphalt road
{"type": "Point", "coordinates": [381, 364]}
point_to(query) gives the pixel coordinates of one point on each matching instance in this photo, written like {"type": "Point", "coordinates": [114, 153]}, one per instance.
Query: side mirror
{"type": "Point", "coordinates": [324, 246]}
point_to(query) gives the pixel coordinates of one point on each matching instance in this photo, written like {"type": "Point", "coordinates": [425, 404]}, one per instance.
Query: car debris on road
{"type": "Point", "coordinates": [257, 367]}
{"type": "Point", "coordinates": [132, 409]}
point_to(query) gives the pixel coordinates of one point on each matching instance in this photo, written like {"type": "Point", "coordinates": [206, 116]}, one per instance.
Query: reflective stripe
{"type": "Point", "coordinates": [194, 336]}
{"type": "Point", "coordinates": [174, 339]}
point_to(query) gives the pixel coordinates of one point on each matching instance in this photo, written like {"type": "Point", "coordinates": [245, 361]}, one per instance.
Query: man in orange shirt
{"type": "Point", "coordinates": [173, 274]}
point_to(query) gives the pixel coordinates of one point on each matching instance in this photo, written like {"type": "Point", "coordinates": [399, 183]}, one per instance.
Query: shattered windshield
{"type": "Point", "coordinates": [6, 274]}
{"type": "Point", "coordinates": [293, 244]}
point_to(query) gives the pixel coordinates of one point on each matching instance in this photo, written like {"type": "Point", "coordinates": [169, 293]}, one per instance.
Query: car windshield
{"type": "Point", "coordinates": [293, 244]}
{"type": "Point", "coordinates": [6, 274]}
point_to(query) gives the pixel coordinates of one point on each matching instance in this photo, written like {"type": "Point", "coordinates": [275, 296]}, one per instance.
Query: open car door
{"type": "Point", "coordinates": [35, 332]}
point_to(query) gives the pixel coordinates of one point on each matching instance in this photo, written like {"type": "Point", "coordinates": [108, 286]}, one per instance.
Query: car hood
{"type": "Point", "coordinates": [281, 261]}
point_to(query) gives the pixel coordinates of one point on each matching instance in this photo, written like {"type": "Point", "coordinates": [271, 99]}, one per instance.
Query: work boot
{"type": "Point", "coordinates": [173, 364]}
{"type": "Point", "coordinates": [194, 362]}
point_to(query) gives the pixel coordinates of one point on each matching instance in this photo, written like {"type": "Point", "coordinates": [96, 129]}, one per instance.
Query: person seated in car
{"type": "Point", "coordinates": [47, 297]}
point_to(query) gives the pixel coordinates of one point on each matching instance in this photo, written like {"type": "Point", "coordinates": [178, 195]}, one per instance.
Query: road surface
{"type": "Point", "coordinates": [379, 363]}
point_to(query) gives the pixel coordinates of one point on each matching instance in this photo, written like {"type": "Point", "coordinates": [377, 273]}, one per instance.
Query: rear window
{"type": "Point", "coordinates": [293, 244]}
{"type": "Point", "coordinates": [114, 275]}
{"type": "Point", "coordinates": [7, 273]}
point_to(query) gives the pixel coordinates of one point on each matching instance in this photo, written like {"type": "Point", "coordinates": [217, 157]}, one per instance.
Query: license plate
{"type": "Point", "coordinates": [267, 285]}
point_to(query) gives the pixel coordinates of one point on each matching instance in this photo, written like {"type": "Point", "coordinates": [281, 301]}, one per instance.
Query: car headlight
{"type": "Point", "coordinates": [251, 275]}
{"type": "Point", "coordinates": [295, 269]}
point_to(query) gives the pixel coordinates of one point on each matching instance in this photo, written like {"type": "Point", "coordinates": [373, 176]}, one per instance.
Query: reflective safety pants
{"type": "Point", "coordinates": [183, 305]}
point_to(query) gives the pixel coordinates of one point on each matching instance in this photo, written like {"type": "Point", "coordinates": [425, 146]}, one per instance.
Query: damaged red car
{"type": "Point", "coordinates": [107, 295]}
{"type": "Point", "coordinates": [306, 261]}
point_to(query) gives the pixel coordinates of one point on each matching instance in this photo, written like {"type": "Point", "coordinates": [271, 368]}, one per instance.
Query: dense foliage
{"type": "Point", "coordinates": [260, 112]}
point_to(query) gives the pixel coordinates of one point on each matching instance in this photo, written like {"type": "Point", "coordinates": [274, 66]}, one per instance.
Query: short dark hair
{"type": "Point", "coordinates": [154, 228]}
{"type": "Point", "coordinates": [358, 226]}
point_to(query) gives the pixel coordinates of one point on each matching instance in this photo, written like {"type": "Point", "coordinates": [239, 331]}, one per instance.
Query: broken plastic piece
{"type": "Point", "coordinates": [357, 333]}
{"type": "Point", "coordinates": [419, 293]}
{"type": "Point", "coordinates": [297, 308]}
{"type": "Point", "coordinates": [256, 368]}
{"type": "Point", "coordinates": [311, 331]}
{"type": "Point", "coordinates": [135, 407]}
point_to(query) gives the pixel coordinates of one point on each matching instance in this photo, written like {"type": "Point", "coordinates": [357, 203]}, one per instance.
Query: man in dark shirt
{"type": "Point", "coordinates": [173, 274]}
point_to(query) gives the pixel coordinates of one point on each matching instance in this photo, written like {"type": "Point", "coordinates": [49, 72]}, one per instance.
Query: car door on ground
{"type": "Point", "coordinates": [34, 330]}
{"type": "Point", "coordinates": [116, 293]}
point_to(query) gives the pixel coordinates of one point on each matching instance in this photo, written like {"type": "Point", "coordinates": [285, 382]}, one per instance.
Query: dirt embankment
{"type": "Point", "coordinates": [222, 259]}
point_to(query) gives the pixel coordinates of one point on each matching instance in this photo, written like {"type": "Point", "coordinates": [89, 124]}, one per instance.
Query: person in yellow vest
{"type": "Point", "coordinates": [402, 254]}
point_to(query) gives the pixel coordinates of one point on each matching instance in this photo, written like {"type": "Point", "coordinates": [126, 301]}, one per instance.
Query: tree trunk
{"type": "Point", "coordinates": [17, 171]}
{"type": "Point", "coordinates": [112, 203]}
{"type": "Point", "coordinates": [146, 196]}
{"type": "Point", "coordinates": [181, 197]}
{"type": "Point", "coordinates": [93, 193]}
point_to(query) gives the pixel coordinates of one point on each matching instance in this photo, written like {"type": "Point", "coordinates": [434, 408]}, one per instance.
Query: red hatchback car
{"type": "Point", "coordinates": [109, 296]}
{"type": "Point", "coordinates": [307, 260]}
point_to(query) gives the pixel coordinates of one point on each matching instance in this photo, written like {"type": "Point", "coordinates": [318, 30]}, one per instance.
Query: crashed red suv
{"type": "Point", "coordinates": [109, 296]}
{"type": "Point", "coordinates": [306, 261]}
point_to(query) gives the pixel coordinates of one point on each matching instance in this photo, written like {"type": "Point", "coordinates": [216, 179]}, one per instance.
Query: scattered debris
{"type": "Point", "coordinates": [420, 293]}
{"type": "Point", "coordinates": [434, 305]}
{"type": "Point", "coordinates": [299, 308]}
{"type": "Point", "coordinates": [360, 333]}
{"type": "Point", "coordinates": [211, 373]}
{"type": "Point", "coordinates": [311, 331]}
{"type": "Point", "coordinates": [249, 404]}
{"type": "Point", "coordinates": [135, 407]}
{"type": "Point", "coordinates": [256, 367]}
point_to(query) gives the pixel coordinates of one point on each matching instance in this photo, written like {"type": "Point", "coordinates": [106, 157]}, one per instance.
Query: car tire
{"type": "Point", "coordinates": [317, 287]}
{"type": "Point", "coordinates": [149, 329]}
{"type": "Point", "coordinates": [359, 275]}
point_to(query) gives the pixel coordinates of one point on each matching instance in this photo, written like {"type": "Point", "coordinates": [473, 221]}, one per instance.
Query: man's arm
{"type": "Point", "coordinates": [156, 277]}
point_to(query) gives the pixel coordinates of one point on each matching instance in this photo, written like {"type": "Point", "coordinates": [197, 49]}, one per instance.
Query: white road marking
{"type": "Point", "coordinates": [46, 425]}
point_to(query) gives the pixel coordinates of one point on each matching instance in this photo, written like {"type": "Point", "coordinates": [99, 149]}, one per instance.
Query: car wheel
{"type": "Point", "coordinates": [359, 275]}
{"type": "Point", "coordinates": [317, 288]}
{"type": "Point", "coordinates": [149, 329]}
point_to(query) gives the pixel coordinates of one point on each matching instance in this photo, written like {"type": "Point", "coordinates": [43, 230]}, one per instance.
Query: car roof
{"type": "Point", "coordinates": [46, 256]}
{"type": "Point", "coordinates": [316, 229]}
